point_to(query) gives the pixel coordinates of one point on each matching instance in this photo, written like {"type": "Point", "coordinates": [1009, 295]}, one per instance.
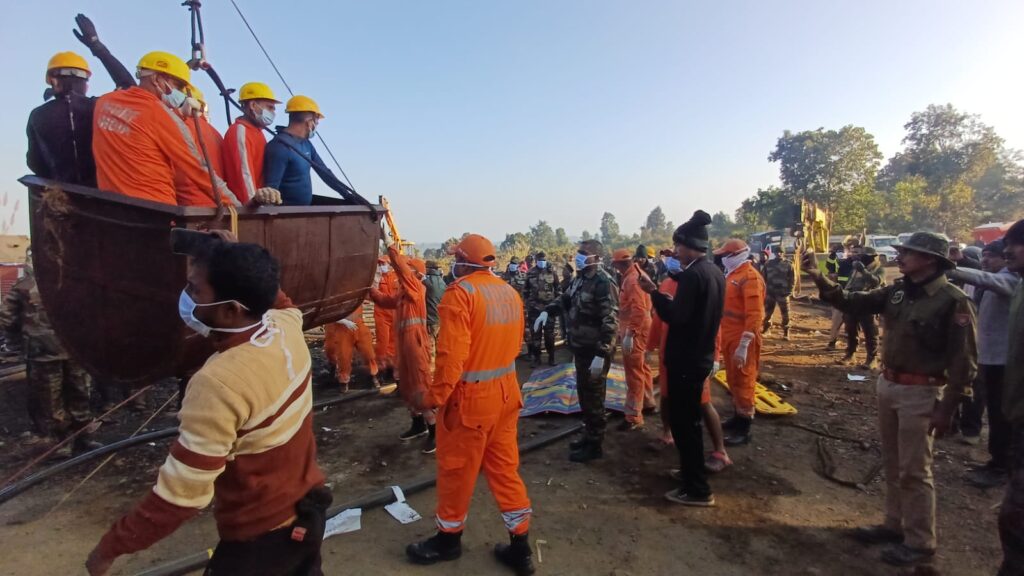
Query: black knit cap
{"type": "Point", "coordinates": [694, 233]}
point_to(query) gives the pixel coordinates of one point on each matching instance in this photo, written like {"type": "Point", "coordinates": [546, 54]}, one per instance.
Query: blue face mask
{"type": "Point", "coordinates": [581, 261]}
{"type": "Point", "coordinates": [187, 308]}
{"type": "Point", "coordinates": [673, 265]}
{"type": "Point", "coordinates": [542, 264]}
{"type": "Point", "coordinates": [267, 117]}
{"type": "Point", "coordinates": [174, 100]}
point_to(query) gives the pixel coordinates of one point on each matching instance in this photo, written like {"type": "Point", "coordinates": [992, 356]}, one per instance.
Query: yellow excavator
{"type": "Point", "coordinates": [811, 234]}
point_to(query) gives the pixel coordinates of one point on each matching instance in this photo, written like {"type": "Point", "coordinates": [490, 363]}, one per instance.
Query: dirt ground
{"type": "Point", "coordinates": [775, 514]}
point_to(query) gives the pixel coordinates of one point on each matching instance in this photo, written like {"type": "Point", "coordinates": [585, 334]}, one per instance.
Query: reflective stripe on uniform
{"type": "Point", "coordinates": [484, 375]}
{"type": "Point", "coordinates": [186, 135]}
{"type": "Point", "coordinates": [733, 314]}
{"type": "Point", "coordinates": [243, 155]}
{"type": "Point", "coordinates": [411, 322]}
{"type": "Point", "coordinates": [513, 518]}
{"type": "Point", "coordinates": [449, 525]}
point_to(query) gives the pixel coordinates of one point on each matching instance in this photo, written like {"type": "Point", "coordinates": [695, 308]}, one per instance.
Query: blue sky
{"type": "Point", "coordinates": [487, 116]}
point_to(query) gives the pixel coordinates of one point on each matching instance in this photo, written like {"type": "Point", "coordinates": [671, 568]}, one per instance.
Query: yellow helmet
{"type": "Point", "coordinates": [68, 61]}
{"type": "Point", "coordinates": [256, 91]}
{"type": "Point", "coordinates": [166, 63]}
{"type": "Point", "coordinates": [302, 104]}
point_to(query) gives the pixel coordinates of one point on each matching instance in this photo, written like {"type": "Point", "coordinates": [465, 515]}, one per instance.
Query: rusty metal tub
{"type": "Point", "coordinates": [110, 283]}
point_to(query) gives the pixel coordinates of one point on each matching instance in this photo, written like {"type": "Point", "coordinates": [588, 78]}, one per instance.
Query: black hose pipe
{"type": "Point", "coordinates": [15, 488]}
{"type": "Point", "coordinates": [197, 561]}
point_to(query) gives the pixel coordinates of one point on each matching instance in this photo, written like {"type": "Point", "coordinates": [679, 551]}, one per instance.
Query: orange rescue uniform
{"type": "Point", "coordinates": [141, 146]}
{"type": "Point", "coordinates": [744, 312]}
{"type": "Point", "coordinates": [410, 303]}
{"type": "Point", "coordinates": [244, 145]}
{"type": "Point", "coordinates": [339, 342]}
{"type": "Point", "coordinates": [188, 194]}
{"type": "Point", "coordinates": [635, 318]}
{"type": "Point", "coordinates": [384, 320]}
{"type": "Point", "coordinates": [475, 385]}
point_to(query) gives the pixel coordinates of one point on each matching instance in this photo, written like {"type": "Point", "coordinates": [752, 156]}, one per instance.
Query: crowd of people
{"type": "Point", "coordinates": [451, 341]}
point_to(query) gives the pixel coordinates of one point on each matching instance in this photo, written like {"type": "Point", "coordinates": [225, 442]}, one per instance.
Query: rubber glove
{"type": "Point", "coordinates": [627, 343]}
{"type": "Point", "coordinates": [376, 278]}
{"type": "Point", "coordinates": [347, 324]}
{"type": "Point", "coordinates": [740, 356]}
{"type": "Point", "coordinates": [267, 195]}
{"type": "Point", "coordinates": [596, 367]}
{"type": "Point", "coordinates": [542, 319]}
{"type": "Point", "coordinates": [88, 35]}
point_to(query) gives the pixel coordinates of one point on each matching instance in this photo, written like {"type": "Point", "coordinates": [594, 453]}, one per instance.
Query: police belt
{"type": "Point", "coordinates": [909, 379]}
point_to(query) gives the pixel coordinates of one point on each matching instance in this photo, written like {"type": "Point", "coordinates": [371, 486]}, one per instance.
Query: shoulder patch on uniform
{"type": "Point", "coordinates": [897, 296]}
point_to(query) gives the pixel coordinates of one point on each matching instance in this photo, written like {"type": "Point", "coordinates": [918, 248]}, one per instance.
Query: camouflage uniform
{"type": "Point", "coordinates": [591, 305]}
{"type": "Point", "coordinates": [516, 280]}
{"type": "Point", "coordinates": [779, 280]}
{"type": "Point", "coordinates": [541, 289]}
{"type": "Point", "coordinates": [863, 279]}
{"type": "Point", "coordinates": [58, 388]}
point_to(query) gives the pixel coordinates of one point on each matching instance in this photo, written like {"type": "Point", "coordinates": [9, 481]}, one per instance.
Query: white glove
{"type": "Point", "coordinates": [267, 195]}
{"type": "Point", "coordinates": [542, 319]}
{"type": "Point", "coordinates": [191, 106]}
{"type": "Point", "coordinates": [376, 278]}
{"type": "Point", "coordinates": [715, 368]}
{"type": "Point", "coordinates": [740, 356]}
{"type": "Point", "coordinates": [627, 343]}
{"type": "Point", "coordinates": [347, 324]}
{"type": "Point", "coordinates": [596, 367]}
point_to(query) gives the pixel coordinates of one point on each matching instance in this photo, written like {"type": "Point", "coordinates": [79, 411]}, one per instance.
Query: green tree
{"type": "Point", "coordinates": [586, 235]}
{"type": "Point", "coordinates": [1000, 191]}
{"type": "Point", "coordinates": [723, 226]}
{"type": "Point", "coordinates": [515, 244]}
{"type": "Point", "coordinates": [542, 236]}
{"type": "Point", "coordinates": [834, 168]}
{"type": "Point", "coordinates": [561, 238]}
{"type": "Point", "coordinates": [770, 208]}
{"type": "Point", "coordinates": [609, 229]}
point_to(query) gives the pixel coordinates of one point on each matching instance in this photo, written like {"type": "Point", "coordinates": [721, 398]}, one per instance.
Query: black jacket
{"type": "Point", "coordinates": [693, 317]}
{"type": "Point", "coordinates": [60, 131]}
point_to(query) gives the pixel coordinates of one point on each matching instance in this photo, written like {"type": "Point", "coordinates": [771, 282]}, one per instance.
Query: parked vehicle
{"type": "Point", "coordinates": [883, 244]}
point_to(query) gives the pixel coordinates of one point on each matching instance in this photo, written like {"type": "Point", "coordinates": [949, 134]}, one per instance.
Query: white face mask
{"type": "Point", "coordinates": [542, 264]}
{"type": "Point", "coordinates": [733, 262]}
{"type": "Point", "coordinates": [187, 308]}
{"type": "Point", "coordinates": [513, 267]}
{"type": "Point", "coordinates": [384, 268]}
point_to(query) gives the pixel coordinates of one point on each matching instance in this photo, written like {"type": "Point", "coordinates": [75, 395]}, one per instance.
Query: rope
{"type": "Point", "coordinates": [234, 219]}
{"type": "Point", "coordinates": [289, 88]}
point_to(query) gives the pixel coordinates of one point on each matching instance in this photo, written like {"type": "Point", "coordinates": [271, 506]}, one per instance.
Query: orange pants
{"type": "Point", "coordinates": [338, 344]}
{"type": "Point", "coordinates": [383, 321]}
{"type": "Point", "coordinates": [413, 362]}
{"type": "Point", "coordinates": [477, 430]}
{"type": "Point", "coordinates": [638, 377]}
{"type": "Point", "coordinates": [741, 379]}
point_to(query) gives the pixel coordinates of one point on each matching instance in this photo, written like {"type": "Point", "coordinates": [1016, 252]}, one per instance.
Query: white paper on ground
{"type": "Point", "coordinates": [399, 510]}
{"type": "Point", "coordinates": [347, 521]}
{"type": "Point", "coordinates": [856, 378]}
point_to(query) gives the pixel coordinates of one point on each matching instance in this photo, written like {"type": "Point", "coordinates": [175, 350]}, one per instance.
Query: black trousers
{"type": "Point", "coordinates": [866, 323]}
{"type": "Point", "coordinates": [684, 392]}
{"type": "Point", "coordinates": [988, 392]}
{"type": "Point", "coordinates": [591, 393]}
{"type": "Point", "coordinates": [278, 553]}
{"type": "Point", "coordinates": [1011, 513]}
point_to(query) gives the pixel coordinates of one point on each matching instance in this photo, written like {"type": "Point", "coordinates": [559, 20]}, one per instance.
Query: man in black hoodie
{"type": "Point", "coordinates": [692, 316]}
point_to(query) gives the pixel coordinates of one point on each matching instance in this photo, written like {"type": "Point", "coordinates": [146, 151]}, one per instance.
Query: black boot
{"type": "Point", "coordinates": [431, 445]}
{"type": "Point", "coordinates": [740, 434]}
{"type": "Point", "coordinates": [590, 450]}
{"type": "Point", "coordinates": [517, 555]}
{"type": "Point", "coordinates": [578, 443]}
{"type": "Point", "coordinates": [551, 358]}
{"type": "Point", "coordinates": [417, 429]}
{"type": "Point", "coordinates": [440, 547]}
{"type": "Point", "coordinates": [732, 423]}
{"type": "Point", "coordinates": [785, 332]}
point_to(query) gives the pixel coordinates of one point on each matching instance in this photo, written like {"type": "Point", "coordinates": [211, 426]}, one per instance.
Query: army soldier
{"type": "Point", "coordinates": [930, 360]}
{"type": "Point", "coordinates": [58, 388]}
{"type": "Point", "coordinates": [867, 274]}
{"type": "Point", "coordinates": [592, 306]}
{"type": "Point", "coordinates": [515, 277]}
{"type": "Point", "coordinates": [540, 290]}
{"type": "Point", "coordinates": [779, 280]}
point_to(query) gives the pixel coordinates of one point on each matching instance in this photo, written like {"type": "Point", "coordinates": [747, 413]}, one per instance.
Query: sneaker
{"type": "Point", "coordinates": [846, 360]}
{"type": "Point", "coordinates": [900, 555]}
{"type": "Point", "coordinates": [971, 439]}
{"type": "Point", "coordinates": [416, 430]}
{"type": "Point", "coordinates": [430, 446]}
{"type": "Point", "coordinates": [871, 535]}
{"type": "Point", "coordinates": [785, 333]}
{"type": "Point", "coordinates": [870, 364]}
{"type": "Point", "coordinates": [831, 345]}
{"type": "Point", "coordinates": [680, 497]}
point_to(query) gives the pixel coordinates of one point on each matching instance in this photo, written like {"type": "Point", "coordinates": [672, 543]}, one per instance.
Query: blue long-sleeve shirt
{"type": "Point", "coordinates": [286, 164]}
